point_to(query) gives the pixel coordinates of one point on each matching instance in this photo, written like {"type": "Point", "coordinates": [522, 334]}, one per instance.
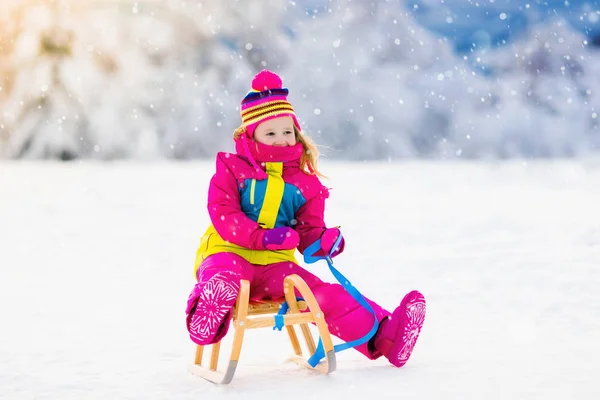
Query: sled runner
{"type": "Point", "coordinates": [272, 314]}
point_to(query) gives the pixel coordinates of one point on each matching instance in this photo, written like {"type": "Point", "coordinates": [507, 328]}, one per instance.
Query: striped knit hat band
{"type": "Point", "coordinates": [257, 113]}
{"type": "Point", "coordinates": [266, 100]}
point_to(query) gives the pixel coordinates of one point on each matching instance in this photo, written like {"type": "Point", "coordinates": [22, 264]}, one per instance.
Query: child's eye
{"type": "Point", "coordinates": [270, 133]}
{"type": "Point", "coordinates": [288, 132]}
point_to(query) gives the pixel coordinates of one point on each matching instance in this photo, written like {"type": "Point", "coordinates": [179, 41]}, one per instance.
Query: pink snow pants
{"type": "Point", "coordinates": [211, 302]}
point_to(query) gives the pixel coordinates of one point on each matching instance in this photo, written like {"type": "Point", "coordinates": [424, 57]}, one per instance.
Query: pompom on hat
{"type": "Point", "coordinates": [266, 100]}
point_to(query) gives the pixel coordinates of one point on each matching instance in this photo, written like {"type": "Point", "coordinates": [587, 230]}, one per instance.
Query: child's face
{"type": "Point", "coordinates": [276, 132]}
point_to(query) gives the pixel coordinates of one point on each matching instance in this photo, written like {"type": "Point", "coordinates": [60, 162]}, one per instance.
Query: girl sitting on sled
{"type": "Point", "coordinates": [266, 201]}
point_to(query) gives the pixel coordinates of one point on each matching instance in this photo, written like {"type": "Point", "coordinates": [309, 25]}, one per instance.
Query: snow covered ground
{"type": "Point", "coordinates": [96, 265]}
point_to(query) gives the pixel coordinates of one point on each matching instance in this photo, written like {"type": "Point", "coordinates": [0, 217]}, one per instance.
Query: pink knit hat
{"type": "Point", "coordinates": [266, 100]}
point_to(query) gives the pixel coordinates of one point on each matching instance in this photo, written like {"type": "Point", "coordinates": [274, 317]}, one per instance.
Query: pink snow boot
{"type": "Point", "coordinates": [398, 333]}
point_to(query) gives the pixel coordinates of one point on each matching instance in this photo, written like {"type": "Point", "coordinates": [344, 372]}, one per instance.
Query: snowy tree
{"type": "Point", "coordinates": [366, 72]}
{"type": "Point", "coordinates": [540, 99]}
{"type": "Point", "coordinates": [164, 78]}
{"type": "Point", "coordinates": [379, 86]}
{"type": "Point", "coordinates": [109, 79]}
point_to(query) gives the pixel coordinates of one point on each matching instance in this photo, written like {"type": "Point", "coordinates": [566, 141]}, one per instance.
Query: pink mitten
{"type": "Point", "coordinates": [328, 240]}
{"type": "Point", "coordinates": [282, 238]}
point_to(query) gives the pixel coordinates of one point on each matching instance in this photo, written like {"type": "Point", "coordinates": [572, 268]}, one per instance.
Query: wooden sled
{"type": "Point", "coordinates": [252, 315]}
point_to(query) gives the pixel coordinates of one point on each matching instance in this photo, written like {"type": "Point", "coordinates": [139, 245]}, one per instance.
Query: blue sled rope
{"type": "Point", "coordinates": [310, 258]}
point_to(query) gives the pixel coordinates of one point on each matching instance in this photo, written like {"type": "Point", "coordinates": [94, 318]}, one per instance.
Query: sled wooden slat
{"type": "Point", "coordinates": [199, 353]}
{"type": "Point", "coordinates": [214, 357]}
{"type": "Point", "coordinates": [268, 322]}
{"type": "Point", "coordinates": [254, 315]}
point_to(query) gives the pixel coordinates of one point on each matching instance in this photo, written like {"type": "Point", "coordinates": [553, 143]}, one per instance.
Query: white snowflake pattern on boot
{"type": "Point", "coordinates": [415, 314]}
{"type": "Point", "coordinates": [214, 302]}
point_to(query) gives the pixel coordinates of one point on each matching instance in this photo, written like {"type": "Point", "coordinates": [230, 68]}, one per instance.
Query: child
{"type": "Point", "coordinates": [265, 201]}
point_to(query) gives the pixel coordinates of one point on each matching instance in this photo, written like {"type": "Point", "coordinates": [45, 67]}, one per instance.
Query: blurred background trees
{"type": "Point", "coordinates": [369, 79]}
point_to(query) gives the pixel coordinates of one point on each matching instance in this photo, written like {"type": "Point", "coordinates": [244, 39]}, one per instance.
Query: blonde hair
{"type": "Point", "coordinates": [309, 157]}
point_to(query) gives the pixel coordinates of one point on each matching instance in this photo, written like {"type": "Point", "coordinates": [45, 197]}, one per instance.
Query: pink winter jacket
{"type": "Point", "coordinates": [235, 197]}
